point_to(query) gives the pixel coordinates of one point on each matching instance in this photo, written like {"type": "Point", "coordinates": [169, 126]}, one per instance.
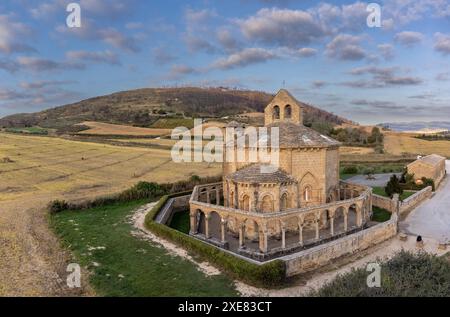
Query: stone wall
{"type": "Point", "coordinates": [405, 206]}
{"type": "Point", "coordinates": [384, 203]}
{"type": "Point", "coordinates": [414, 200]}
{"type": "Point", "coordinates": [322, 255]}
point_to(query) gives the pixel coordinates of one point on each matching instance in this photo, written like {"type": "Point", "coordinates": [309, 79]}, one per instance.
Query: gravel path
{"type": "Point", "coordinates": [432, 218]}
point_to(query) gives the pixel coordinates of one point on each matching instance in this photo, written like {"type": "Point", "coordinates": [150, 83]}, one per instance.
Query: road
{"type": "Point", "coordinates": [432, 218]}
{"type": "Point", "coordinates": [379, 181]}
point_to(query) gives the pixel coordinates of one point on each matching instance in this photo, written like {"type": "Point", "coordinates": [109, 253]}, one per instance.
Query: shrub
{"type": "Point", "coordinates": [57, 206]}
{"type": "Point", "coordinates": [350, 170]}
{"type": "Point", "coordinates": [393, 187]}
{"type": "Point", "coordinates": [269, 274]}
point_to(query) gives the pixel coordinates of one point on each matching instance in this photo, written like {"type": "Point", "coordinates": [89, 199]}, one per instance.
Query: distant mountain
{"type": "Point", "coordinates": [418, 126]}
{"type": "Point", "coordinates": [143, 107]}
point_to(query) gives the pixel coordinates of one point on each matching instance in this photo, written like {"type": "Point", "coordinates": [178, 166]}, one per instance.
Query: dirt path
{"type": "Point", "coordinates": [383, 251]}
{"type": "Point", "coordinates": [32, 263]}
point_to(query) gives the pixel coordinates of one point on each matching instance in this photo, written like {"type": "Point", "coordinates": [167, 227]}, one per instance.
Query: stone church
{"type": "Point", "coordinates": [259, 213]}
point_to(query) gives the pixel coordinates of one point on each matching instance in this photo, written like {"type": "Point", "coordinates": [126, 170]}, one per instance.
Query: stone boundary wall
{"type": "Point", "coordinates": [414, 200]}
{"type": "Point", "coordinates": [406, 205]}
{"type": "Point", "coordinates": [384, 203]}
{"type": "Point", "coordinates": [322, 255]}
{"type": "Point", "coordinates": [172, 206]}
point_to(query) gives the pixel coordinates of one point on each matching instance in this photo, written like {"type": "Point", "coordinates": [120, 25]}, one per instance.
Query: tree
{"type": "Point", "coordinates": [393, 187]}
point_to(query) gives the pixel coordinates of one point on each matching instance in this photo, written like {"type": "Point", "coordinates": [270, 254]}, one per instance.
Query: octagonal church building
{"type": "Point", "coordinates": [261, 211]}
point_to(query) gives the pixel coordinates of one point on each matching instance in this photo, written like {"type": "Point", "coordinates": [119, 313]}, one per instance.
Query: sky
{"type": "Point", "coordinates": [324, 53]}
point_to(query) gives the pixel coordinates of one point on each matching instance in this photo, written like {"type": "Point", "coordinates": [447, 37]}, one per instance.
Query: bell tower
{"type": "Point", "coordinates": [283, 108]}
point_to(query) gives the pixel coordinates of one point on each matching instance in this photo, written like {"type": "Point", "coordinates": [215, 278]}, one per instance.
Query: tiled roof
{"type": "Point", "coordinates": [256, 173]}
{"type": "Point", "coordinates": [433, 159]}
{"type": "Point", "coordinates": [298, 136]}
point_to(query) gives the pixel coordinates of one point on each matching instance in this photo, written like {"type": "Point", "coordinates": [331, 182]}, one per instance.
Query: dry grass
{"type": "Point", "coordinates": [354, 150]}
{"type": "Point", "coordinates": [398, 143]}
{"type": "Point", "coordinates": [44, 169]}
{"type": "Point", "coordinates": [100, 128]}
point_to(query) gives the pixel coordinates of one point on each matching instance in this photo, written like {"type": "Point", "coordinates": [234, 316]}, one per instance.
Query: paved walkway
{"type": "Point", "coordinates": [432, 218]}
{"type": "Point", "coordinates": [379, 181]}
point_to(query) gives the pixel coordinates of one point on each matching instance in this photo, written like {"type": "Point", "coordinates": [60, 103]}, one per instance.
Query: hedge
{"type": "Point", "coordinates": [265, 275]}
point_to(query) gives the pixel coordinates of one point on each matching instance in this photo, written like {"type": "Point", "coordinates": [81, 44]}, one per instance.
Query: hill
{"type": "Point", "coordinates": [143, 107]}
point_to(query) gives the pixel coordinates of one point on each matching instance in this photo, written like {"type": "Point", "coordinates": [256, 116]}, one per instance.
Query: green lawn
{"type": "Point", "coordinates": [380, 215]}
{"type": "Point", "coordinates": [123, 265]}
{"type": "Point", "coordinates": [381, 192]}
{"type": "Point", "coordinates": [180, 221]}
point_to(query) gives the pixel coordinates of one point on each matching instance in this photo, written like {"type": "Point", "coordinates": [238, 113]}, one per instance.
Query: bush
{"type": "Point", "coordinates": [393, 187]}
{"type": "Point", "coordinates": [350, 170]}
{"type": "Point", "coordinates": [406, 274]}
{"type": "Point", "coordinates": [267, 275]}
{"type": "Point", "coordinates": [57, 206]}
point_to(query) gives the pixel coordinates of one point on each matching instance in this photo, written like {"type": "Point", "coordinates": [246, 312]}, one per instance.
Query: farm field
{"type": "Point", "coordinates": [41, 169]}
{"type": "Point", "coordinates": [398, 143]}
{"type": "Point", "coordinates": [100, 128]}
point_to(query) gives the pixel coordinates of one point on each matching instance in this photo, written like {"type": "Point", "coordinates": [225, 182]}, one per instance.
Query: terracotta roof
{"type": "Point", "coordinates": [255, 174]}
{"type": "Point", "coordinates": [432, 159]}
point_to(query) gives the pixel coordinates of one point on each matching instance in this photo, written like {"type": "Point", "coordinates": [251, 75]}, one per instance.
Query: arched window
{"type": "Point", "coordinates": [288, 112]}
{"type": "Point", "coordinates": [307, 193]}
{"type": "Point", "coordinates": [284, 202]}
{"type": "Point", "coordinates": [276, 112]}
{"type": "Point", "coordinates": [267, 204]}
{"type": "Point", "coordinates": [246, 203]}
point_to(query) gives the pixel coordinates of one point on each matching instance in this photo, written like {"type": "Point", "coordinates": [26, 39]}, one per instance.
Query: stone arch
{"type": "Point", "coordinates": [267, 203]}
{"type": "Point", "coordinates": [245, 202]}
{"type": "Point", "coordinates": [215, 221]}
{"type": "Point", "coordinates": [308, 186]}
{"type": "Point", "coordinates": [288, 112]}
{"type": "Point", "coordinates": [284, 201]}
{"type": "Point", "coordinates": [201, 221]}
{"type": "Point", "coordinates": [251, 230]}
{"type": "Point", "coordinates": [276, 113]}
{"type": "Point", "coordinates": [353, 214]}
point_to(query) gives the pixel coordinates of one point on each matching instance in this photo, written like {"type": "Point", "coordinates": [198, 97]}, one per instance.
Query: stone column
{"type": "Point", "coordinates": [254, 201]}
{"type": "Point", "coordinates": [223, 227]}
{"type": "Point", "coordinates": [207, 219]}
{"type": "Point", "coordinates": [332, 225]}
{"type": "Point", "coordinates": [283, 236]}
{"type": "Point", "coordinates": [241, 236]}
{"type": "Point", "coordinates": [193, 229]}
{"type": "Point", "coordinates": [358, 217]}
{"type": "Point", "coordinates": [217, 196]}
{"type": "Point", "coordinates": [345, 220]}
{"type": "Point", "coordinates": [208, 199]}
{"type": "Point", "coordinates": [236, 198]}
{"type": "Point", "coordinates": [300, 232]}
{"type": "Point", "coordinates": [227, 200]}
{"type": "Point", "coordinates": [263, 240]}
{"type": "Point", "coordinates": [317, 230]}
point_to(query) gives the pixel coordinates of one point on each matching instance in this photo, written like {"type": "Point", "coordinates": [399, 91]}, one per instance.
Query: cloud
{"type": "Point", "coordinates": [373, 103]}
{"type": "Point", "coordinates": [98, 8]}
{"type": "Point", "coordinates": [41, 64]}
{"type": "Point", "coordinates": [443, 76]}
{"type": "Point", "coordinates": [198, 31]}
{"type": "Point", "coordinates": [290, 28]}
{"type": "Point", "coordinates": [345, 47]}
{"type": "Point", "coordinates": [227, 40]}
{"type": "Point", "coordinates": [106, 57]}
{"type": "Point", "coordinates": [409, 38]}
{"type": "Point", "coordinates": [442, 43]}
{"type": "Point", "coordinates": [381, 78]}
{"type": "Point", "coordinates": [244, 58]}
{"type": "Point", "coordinates": [387, 51]}
{"type": "Point", "coordinates": [90, 31]}
{"type": "Point", "coordinates": [307, 52]}
{"type": "Point", "coordinates": [45, 83]}
{"type": "Point", "coordinates": [10, 32]}
{"type": "Point", "coordinates": [319, 84]}
{"type": "Point", "coordinates": [9, 65]}
{"type": "Point", "coordinates": [162, 55]}
{"type": "Point", "coordinates": [196, 44]}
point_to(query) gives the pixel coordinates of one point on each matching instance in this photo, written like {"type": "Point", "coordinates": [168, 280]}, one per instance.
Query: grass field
{"type": "Point", "coordinates": [104, 129]}
{"type": "Point", "coordinates": [381, 192]}
{"type": "Point", "coordinates": [380, 215]}
{"type": "Point", "coordinates": [124, 265]}
{"type": "Point", "coordinates": [60, 167]}
{"type": "Point", "coordinates": [397, 144]}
